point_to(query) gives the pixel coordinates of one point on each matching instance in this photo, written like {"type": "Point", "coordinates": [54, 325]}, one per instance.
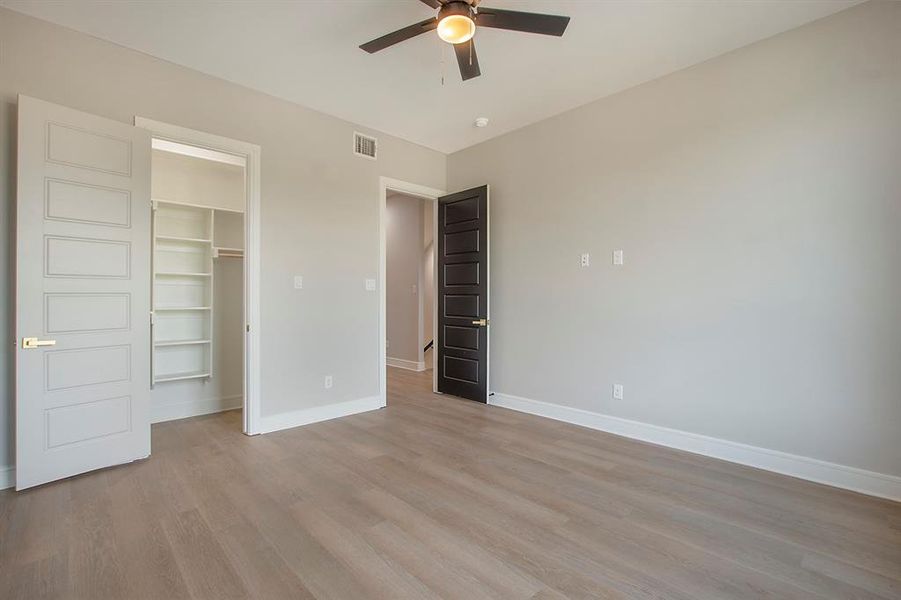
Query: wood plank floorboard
{"type": "Point", "coordinates": [437, 497]}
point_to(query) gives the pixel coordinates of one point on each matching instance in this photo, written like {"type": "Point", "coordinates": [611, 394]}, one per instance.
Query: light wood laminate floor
{"type": "Point", "coordinates": [438, 497]}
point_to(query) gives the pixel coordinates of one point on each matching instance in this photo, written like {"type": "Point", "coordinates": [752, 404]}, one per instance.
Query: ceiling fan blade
{"type": "Point", "coordinates": [400, 35]}
{"type": "Point", "coordinates": [467, 59]}
{"type": "Point", "coordinates": [432, 3]}
{"type": "Point", "coordinates": [515, 20]}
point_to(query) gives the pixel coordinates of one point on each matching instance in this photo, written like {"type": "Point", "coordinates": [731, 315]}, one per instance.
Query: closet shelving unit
{"type": "Point", "coordinates": [182, 291]}
{"type": "Point", "coordinates": [186, 240]}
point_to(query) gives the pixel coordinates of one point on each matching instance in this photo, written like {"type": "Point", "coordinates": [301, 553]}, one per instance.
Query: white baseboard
{"type": "Point", "coordinates": [319, 413]}
{"type": "Point", "coordinates": [193, 408]}
{"type": "Point", "coordinates": [841, 476]}
{"type": "Point", "coordinates": [7, 477]}
{"type": "Point", "coordinates": [410, 365]}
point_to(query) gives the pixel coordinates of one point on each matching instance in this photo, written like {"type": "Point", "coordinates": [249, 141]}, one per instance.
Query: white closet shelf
{"type": "Point", "coordinates": [181, 343]}
{"type": "Point", "coordinates": [184, 375]}
{"type": "Point", "coordinates": [187, 239]}
{"type": "Point", "coordinates": [200, 206]}
{"type": "Point", "coordinates": [190, 240]}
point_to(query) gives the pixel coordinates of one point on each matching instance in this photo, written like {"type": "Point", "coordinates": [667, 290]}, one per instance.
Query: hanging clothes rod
{"type": "Point", "coordinates": [229, 253]}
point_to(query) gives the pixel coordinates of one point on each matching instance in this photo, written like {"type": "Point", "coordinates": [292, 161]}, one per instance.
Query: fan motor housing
{"type": "Point", "coordinates": [456, 8]}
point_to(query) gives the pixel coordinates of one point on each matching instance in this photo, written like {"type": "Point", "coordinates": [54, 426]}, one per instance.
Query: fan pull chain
{"type": "Point", "coordinates": [442, 49]}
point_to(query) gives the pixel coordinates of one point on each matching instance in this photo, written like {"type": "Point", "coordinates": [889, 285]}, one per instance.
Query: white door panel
{"type": "Point", "coordinates": [83, 281]}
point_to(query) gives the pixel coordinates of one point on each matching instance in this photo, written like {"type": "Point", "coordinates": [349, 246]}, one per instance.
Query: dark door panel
{"type": "Point", "coordinates": [463, 294]}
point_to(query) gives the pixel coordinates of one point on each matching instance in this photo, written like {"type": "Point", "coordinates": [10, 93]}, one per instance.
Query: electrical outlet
{"type": "Point", "coordinates": [617, 257]}
{"type": "Point", "coordinates": [298, 282]}
{"type": "Point", "coordinates": [370, 285]}
{"type": "Point", "coordinates": [617, 391]}
{"type": "Point", "coordinates": [328, 382]}
{"type": "Point", "coordinates": [585, 260]}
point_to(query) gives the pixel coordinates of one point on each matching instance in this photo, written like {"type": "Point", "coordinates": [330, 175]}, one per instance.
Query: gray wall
{"type": "Point", "coordinates": [319, 202]}
{"type": "Point", "coordinates": [757, 197]}
{"type": "Point", "coordinates": [403, 237]}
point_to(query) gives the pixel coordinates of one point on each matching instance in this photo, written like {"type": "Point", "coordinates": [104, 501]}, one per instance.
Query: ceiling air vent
{"type": "Point", "coordinates": [365, 146]}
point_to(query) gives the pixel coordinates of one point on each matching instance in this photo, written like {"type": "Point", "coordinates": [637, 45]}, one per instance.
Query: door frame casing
{"type": "Point", "coordinates": [252, 242]}
{"type": "Point", "coordinates": [387, 184]}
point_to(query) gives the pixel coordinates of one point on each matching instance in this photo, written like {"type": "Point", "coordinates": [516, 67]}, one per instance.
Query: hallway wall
{"type": "Point", "coordinates": [404, 276]}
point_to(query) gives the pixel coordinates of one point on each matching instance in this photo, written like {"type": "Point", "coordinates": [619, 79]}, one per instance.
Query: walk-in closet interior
{"type": "Point", "coordinates": [198, 281]}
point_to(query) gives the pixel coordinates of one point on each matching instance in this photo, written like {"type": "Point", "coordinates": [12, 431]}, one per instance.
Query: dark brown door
{"type": "Point", "coordinates": [463, 294]}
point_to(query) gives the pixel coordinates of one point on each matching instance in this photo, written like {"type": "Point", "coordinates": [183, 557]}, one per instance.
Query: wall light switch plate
{"type": "Point", "coordinates": [370, 285]}
{"type": "Point", "coordinates": [617, 391]}
{"type": "Point", "coordinates": [298, 282]}
{"type": "Point", "coordinates": [328, 382]}
{"type": "Point", "coordinates": [585, 260]}
{"type": "Point", "coordinates": [617, 257]}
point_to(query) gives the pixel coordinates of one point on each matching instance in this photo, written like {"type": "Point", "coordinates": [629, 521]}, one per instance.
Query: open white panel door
{"type": "Point", "coordinates": [82, 293]}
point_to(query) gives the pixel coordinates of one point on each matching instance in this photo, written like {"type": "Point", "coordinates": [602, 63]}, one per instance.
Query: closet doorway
{"type": "Point", "coordinates": [204, 273]}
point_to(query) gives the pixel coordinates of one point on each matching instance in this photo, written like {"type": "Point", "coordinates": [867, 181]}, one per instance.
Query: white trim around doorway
{"type": "Point", "coordinates": [418, 191]}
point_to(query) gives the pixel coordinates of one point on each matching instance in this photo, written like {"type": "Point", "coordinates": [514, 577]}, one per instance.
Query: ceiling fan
{"type": "Point", "coordinates": [456, 23]}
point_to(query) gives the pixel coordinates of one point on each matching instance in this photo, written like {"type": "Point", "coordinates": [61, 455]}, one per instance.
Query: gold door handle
{"type": "Point", "coordinates": [33, 342]}
{"type": "Point", "coordinates": [481, 322]}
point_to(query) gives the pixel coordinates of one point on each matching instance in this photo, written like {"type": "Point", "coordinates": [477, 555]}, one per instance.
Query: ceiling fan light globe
{"type": "Point", "coordinates": [456, 29]}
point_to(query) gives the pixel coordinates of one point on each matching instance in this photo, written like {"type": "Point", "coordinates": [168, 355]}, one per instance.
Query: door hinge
{"type": "Point", "coordinates": [248, 328]}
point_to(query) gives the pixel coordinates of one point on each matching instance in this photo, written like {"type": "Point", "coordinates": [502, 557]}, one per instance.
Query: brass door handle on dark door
{"type": "Point", "coordinates": [481, 322]}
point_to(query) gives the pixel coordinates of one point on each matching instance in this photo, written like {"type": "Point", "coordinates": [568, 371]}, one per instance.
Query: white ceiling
{"type": "Point", "coordinates": [306, 52]}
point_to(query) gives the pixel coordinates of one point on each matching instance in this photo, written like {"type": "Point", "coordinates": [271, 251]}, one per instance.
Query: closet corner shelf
{"type": "Point", "coordinates": [177, 274]}
{"type": "Point", "coordinates": [174, 238]}
{"type": "Point", "coordinates": [182, 343]}
{"type": "Point", "coordinates": [185, 375]}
